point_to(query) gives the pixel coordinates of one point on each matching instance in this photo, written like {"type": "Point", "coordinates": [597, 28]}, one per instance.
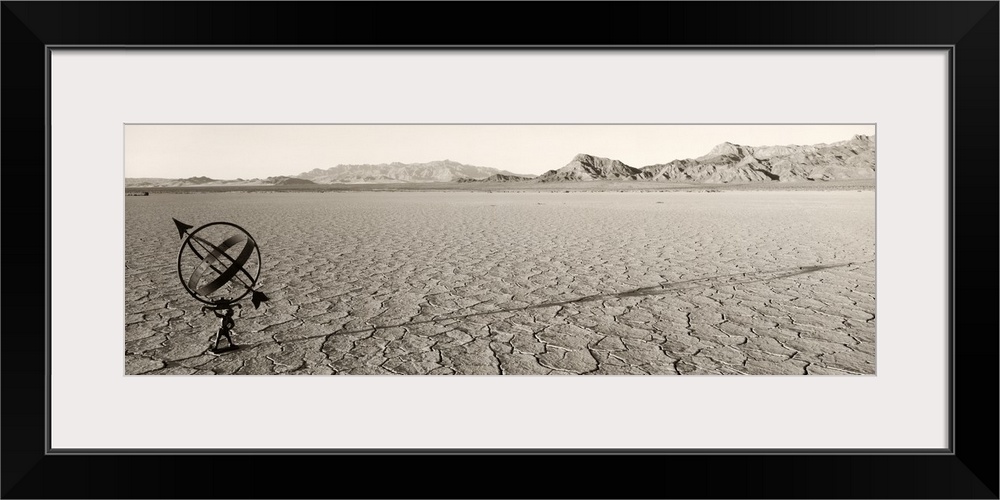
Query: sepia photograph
{"type": "Point", "coordinates": [506, 249]}
{"type": "Point", "coordinates": [290, 189]}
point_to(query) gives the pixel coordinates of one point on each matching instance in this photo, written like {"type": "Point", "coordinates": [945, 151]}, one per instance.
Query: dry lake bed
{"type": "Point", "coordinates": [532, 283]}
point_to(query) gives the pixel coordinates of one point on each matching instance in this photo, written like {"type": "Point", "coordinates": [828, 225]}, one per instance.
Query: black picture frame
{"type": "Point", "coordinates": [968, 30]}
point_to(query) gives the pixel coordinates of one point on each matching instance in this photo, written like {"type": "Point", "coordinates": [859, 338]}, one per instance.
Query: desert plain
{"type": "Point", "coordinates": [673, 282]}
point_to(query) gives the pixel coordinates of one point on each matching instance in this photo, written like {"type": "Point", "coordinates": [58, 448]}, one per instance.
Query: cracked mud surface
{"type": "Point", "coordinates": [518, 283]}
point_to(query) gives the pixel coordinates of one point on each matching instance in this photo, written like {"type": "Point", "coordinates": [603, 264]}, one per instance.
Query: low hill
{"type": "Point", "coordinates": [586, 167]}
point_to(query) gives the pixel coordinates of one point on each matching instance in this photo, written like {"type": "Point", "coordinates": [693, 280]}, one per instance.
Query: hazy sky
{"type": "Point", "coordinates": [248, 151]}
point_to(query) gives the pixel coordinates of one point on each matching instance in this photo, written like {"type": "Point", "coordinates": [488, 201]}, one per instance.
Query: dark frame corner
{"type": "Point", "coordinates": [970, 29]}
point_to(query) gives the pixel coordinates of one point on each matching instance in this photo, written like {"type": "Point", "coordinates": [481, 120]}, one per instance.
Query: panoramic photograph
{"type": "Point", "coordinates": [499, 249]}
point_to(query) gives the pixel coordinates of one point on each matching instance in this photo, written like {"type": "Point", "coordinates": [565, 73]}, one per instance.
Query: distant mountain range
{"type": "Point", "coordinates": [435, 171]}
{"type": "Point", "coordinates": [727, 162]}
{"type": "Point", "coordinates": [282, 180]}
{"type": "Point", "coordinates": [501, 178]}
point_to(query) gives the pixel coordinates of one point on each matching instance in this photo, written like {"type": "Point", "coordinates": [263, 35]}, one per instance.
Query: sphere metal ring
{"type": "Point", "coordinates": [212, 259]}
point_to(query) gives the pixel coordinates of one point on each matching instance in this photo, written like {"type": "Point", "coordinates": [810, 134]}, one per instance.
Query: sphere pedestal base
{"type": "Point", "coordinates": [221, 350]}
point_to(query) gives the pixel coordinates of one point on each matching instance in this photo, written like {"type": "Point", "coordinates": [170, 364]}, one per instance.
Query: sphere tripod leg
{"type": "Point", "coordinates": [232, 345]}
{"type": "Point", "coordinates": [218, 337]}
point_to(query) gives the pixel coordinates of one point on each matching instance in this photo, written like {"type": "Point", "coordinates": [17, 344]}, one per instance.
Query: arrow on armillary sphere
{"type": "Point", "coordinates": [210, 249]}
{"type": "Point", "coordinates": [234, 271]}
